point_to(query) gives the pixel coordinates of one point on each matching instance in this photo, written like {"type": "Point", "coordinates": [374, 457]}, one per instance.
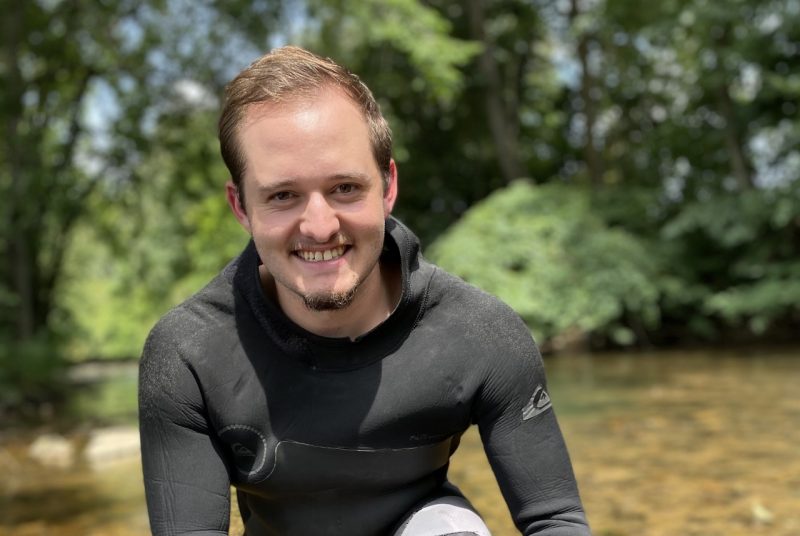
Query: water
{"type": "Point", "coordinates": [685, 443]}
{"type": "Point", "coordinates": [690, 443]}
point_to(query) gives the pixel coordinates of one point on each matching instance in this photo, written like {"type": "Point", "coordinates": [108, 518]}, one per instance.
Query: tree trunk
{"type": "Point", "coordinates": [741, 168]}
{"type": "Point", "coordinates": [503, 122]}
{"type": "Point", "coordinates": [19, 257]}
{"type": "Point", "coordinates": [35, 189]}
{"type": "Point", "coordinates": [591, 155]}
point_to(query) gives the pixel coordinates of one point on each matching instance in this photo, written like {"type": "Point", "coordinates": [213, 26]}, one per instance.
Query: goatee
{"type": "Point", "coordinates": [330, 302]}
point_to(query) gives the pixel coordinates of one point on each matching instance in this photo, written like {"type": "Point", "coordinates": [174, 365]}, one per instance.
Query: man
{"type": "Point", "coordinates": [329, 371]}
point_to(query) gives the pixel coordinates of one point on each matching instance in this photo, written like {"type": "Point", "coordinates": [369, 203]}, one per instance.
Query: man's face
{"type": "Point", "coordinates": [315, 202]}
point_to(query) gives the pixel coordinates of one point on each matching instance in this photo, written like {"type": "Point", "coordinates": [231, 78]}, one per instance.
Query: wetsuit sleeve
{"type": "Point", "coordinates": [186, 482]}
{"type": "Point", "coordinates": [523, 441]}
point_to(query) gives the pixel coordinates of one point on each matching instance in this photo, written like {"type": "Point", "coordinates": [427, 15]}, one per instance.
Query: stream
{"type": "Point", "coordinates": [667, 443]}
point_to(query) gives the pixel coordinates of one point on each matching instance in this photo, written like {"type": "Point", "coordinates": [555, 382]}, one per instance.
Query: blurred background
{"type": "Point", "coordinates": [625, 175]}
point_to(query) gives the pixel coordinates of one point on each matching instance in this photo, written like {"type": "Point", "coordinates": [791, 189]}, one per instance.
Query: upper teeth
{"type": "Point", "coordinates": [325, 255]}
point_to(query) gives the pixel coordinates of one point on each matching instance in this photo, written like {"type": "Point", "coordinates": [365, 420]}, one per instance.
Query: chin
{"type": "Point", "coordinates": [329, 301]}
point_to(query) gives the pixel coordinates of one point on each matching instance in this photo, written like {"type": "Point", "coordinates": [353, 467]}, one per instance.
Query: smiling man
{"type": "Point", "coordinates": [316, 202]}
{"type": "Point", "coordinates": [329, 371]}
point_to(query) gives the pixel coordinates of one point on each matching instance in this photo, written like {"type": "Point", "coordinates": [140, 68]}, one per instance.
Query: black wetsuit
{"type": "Point", "coordinates": [331, 436]}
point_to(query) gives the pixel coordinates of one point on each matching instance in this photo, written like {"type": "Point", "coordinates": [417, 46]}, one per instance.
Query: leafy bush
{"type": "Point", "coordinates": [742, 247]}
{"type": "Point", "coordinates": [543, 251]}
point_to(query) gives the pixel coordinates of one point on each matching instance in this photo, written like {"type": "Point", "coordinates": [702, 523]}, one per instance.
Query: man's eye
{"type": "Point", "coordinates": [346, 188]}
{"type": "Point", "coordinates": [282, 196]}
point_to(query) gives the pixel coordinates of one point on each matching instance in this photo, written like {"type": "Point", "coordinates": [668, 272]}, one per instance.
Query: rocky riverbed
{"type": "Point", "coordinates": [97, 449]}
{"type": "Point", "coordinates": [679, 443]}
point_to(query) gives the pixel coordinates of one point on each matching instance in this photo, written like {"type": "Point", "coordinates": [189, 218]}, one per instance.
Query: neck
{"type": "Point", "coordinates": [375, 299]}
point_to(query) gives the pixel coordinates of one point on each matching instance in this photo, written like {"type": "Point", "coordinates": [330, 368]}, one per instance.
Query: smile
{"type": "Point", "coordinates": [324, 255]}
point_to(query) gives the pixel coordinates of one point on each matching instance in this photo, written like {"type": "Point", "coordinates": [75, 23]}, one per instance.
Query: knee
{"type": "Point", "coordinates": [444, 516]}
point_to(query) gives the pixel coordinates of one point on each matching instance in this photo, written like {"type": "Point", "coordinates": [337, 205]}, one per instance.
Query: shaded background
{"type": "Point", "coordinates": [625, 176]}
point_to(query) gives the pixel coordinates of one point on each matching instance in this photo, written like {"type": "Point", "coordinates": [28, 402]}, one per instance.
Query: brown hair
{"type": "Point", "coordinates": [289, 73]}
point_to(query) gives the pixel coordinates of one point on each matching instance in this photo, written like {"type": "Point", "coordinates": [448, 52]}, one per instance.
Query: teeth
{"type": "Point", "coordinates": [326, 255]}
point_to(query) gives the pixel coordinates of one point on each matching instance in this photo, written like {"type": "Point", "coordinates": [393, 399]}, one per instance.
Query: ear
{"type": "Point", "coordinates": [390, 193]}
{"type": "Point", "coordinates": [232, 195]}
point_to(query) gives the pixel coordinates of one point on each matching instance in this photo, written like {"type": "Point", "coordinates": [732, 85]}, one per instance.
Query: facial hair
{"type": "Point", "coordinates": [333, 301]}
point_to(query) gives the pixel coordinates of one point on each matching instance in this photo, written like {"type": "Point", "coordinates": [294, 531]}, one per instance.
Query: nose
{"type": "Point", "coordinates": [319, 220]}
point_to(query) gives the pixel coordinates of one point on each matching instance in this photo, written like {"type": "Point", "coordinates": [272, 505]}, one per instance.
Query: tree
{"type": "Point", "coordinates": [57, 57]}
{"type": "Point", "coordinates": [695, 90]}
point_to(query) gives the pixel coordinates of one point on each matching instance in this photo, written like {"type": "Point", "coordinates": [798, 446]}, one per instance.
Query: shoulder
{"type": "Point", "coordinates": [482, 326]}
{"type": "Point", "coordinates": [183, 338]}
{"type": "Point", "coordinates": [192, 324]}
{"type": "Point", "coordinates": [474, 308]}
{"type": "Point", "coordinates": [483, 320]}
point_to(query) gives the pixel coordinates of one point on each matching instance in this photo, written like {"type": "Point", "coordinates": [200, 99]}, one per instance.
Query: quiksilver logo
{"type": "Point", "coordinates": [241, 450]}
{"type": "Point", "coordinates": [539, 403]}
{"type": "Point", "coordinates": [248, 446]}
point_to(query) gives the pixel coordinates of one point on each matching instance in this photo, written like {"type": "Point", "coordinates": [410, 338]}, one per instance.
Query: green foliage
{"type": "Point", "coordinates": [144, 255]}
{"type": "Point", "coordinates": [114, 298]}
{"type": "Point", "coordinates": [683, 116]}
{"type": "Point", "coordinates": [109, 314]}
{"type": "Point", "coordinates": [31, 374]}
{"type": "Point", "coordinates": [409, 27]}
{"type": "Point", "coordinates": [540, 249]}
{"type": "Point", "coordinates": [54, 58]}
{"type": "Point", "coordinates": [743, 249]}
{"type": "Point", "coordinates": [759, 302]}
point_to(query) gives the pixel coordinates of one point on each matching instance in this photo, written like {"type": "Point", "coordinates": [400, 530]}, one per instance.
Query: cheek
{"type": "Point", "coordinates": [269, 238]}
{"type": "Point", "coordinates": [272, 225]}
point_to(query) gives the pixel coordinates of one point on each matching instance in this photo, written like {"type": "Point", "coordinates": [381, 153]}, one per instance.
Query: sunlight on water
{"type": "Point", "coordinates": [663, 444]}
{"type": "Point", "coordinates": [685, 443]}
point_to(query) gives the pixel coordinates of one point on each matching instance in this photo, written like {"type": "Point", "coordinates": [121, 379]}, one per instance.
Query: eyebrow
{"type": "Point", "coordinates": [291, 182]}
{"type": "Point", "coordinates": [276, 186]}
{"type": "Point", "coordinates": [355, 175]}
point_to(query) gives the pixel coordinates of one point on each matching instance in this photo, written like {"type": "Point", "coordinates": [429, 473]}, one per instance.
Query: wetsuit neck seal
{"type": "Point", "coordinates": [341, 353]}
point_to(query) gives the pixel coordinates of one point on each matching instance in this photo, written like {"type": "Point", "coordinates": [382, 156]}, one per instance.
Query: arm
{"type": "Point", "coordinates": [185, 478]}
{"type": "Point", "coordinates": [523, 441]}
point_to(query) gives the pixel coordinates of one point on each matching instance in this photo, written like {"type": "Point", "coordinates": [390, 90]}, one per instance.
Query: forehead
{"type": "Point", "coordinates": [305, 107]}
{"type": "Point", "coordinates": [306, 135]}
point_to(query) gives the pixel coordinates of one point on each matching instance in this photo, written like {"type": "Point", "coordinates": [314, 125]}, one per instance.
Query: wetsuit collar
{"type": "Point", "coordinates": [329, 353]}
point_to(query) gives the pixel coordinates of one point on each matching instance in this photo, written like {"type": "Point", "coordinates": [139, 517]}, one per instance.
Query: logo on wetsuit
{"type": "Point", "coordinates": [241, 450]}
{"type": "Point", "coordinates": [248, 447]}
{"type": "Point", "coordinates": [539, 403]}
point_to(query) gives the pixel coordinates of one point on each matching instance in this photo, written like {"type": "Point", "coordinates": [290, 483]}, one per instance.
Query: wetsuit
{"type": "Point", "coordinates": [324, 436]}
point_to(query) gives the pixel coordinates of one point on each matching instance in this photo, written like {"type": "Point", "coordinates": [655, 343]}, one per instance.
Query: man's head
{"type": "Point", "coordinates": [313, 180]}
{"type": "Point", "coordinates": [290, 74]}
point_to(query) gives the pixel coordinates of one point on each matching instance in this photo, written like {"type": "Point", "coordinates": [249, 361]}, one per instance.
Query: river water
{"type": "Point", "coordinates": [670, 443]}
